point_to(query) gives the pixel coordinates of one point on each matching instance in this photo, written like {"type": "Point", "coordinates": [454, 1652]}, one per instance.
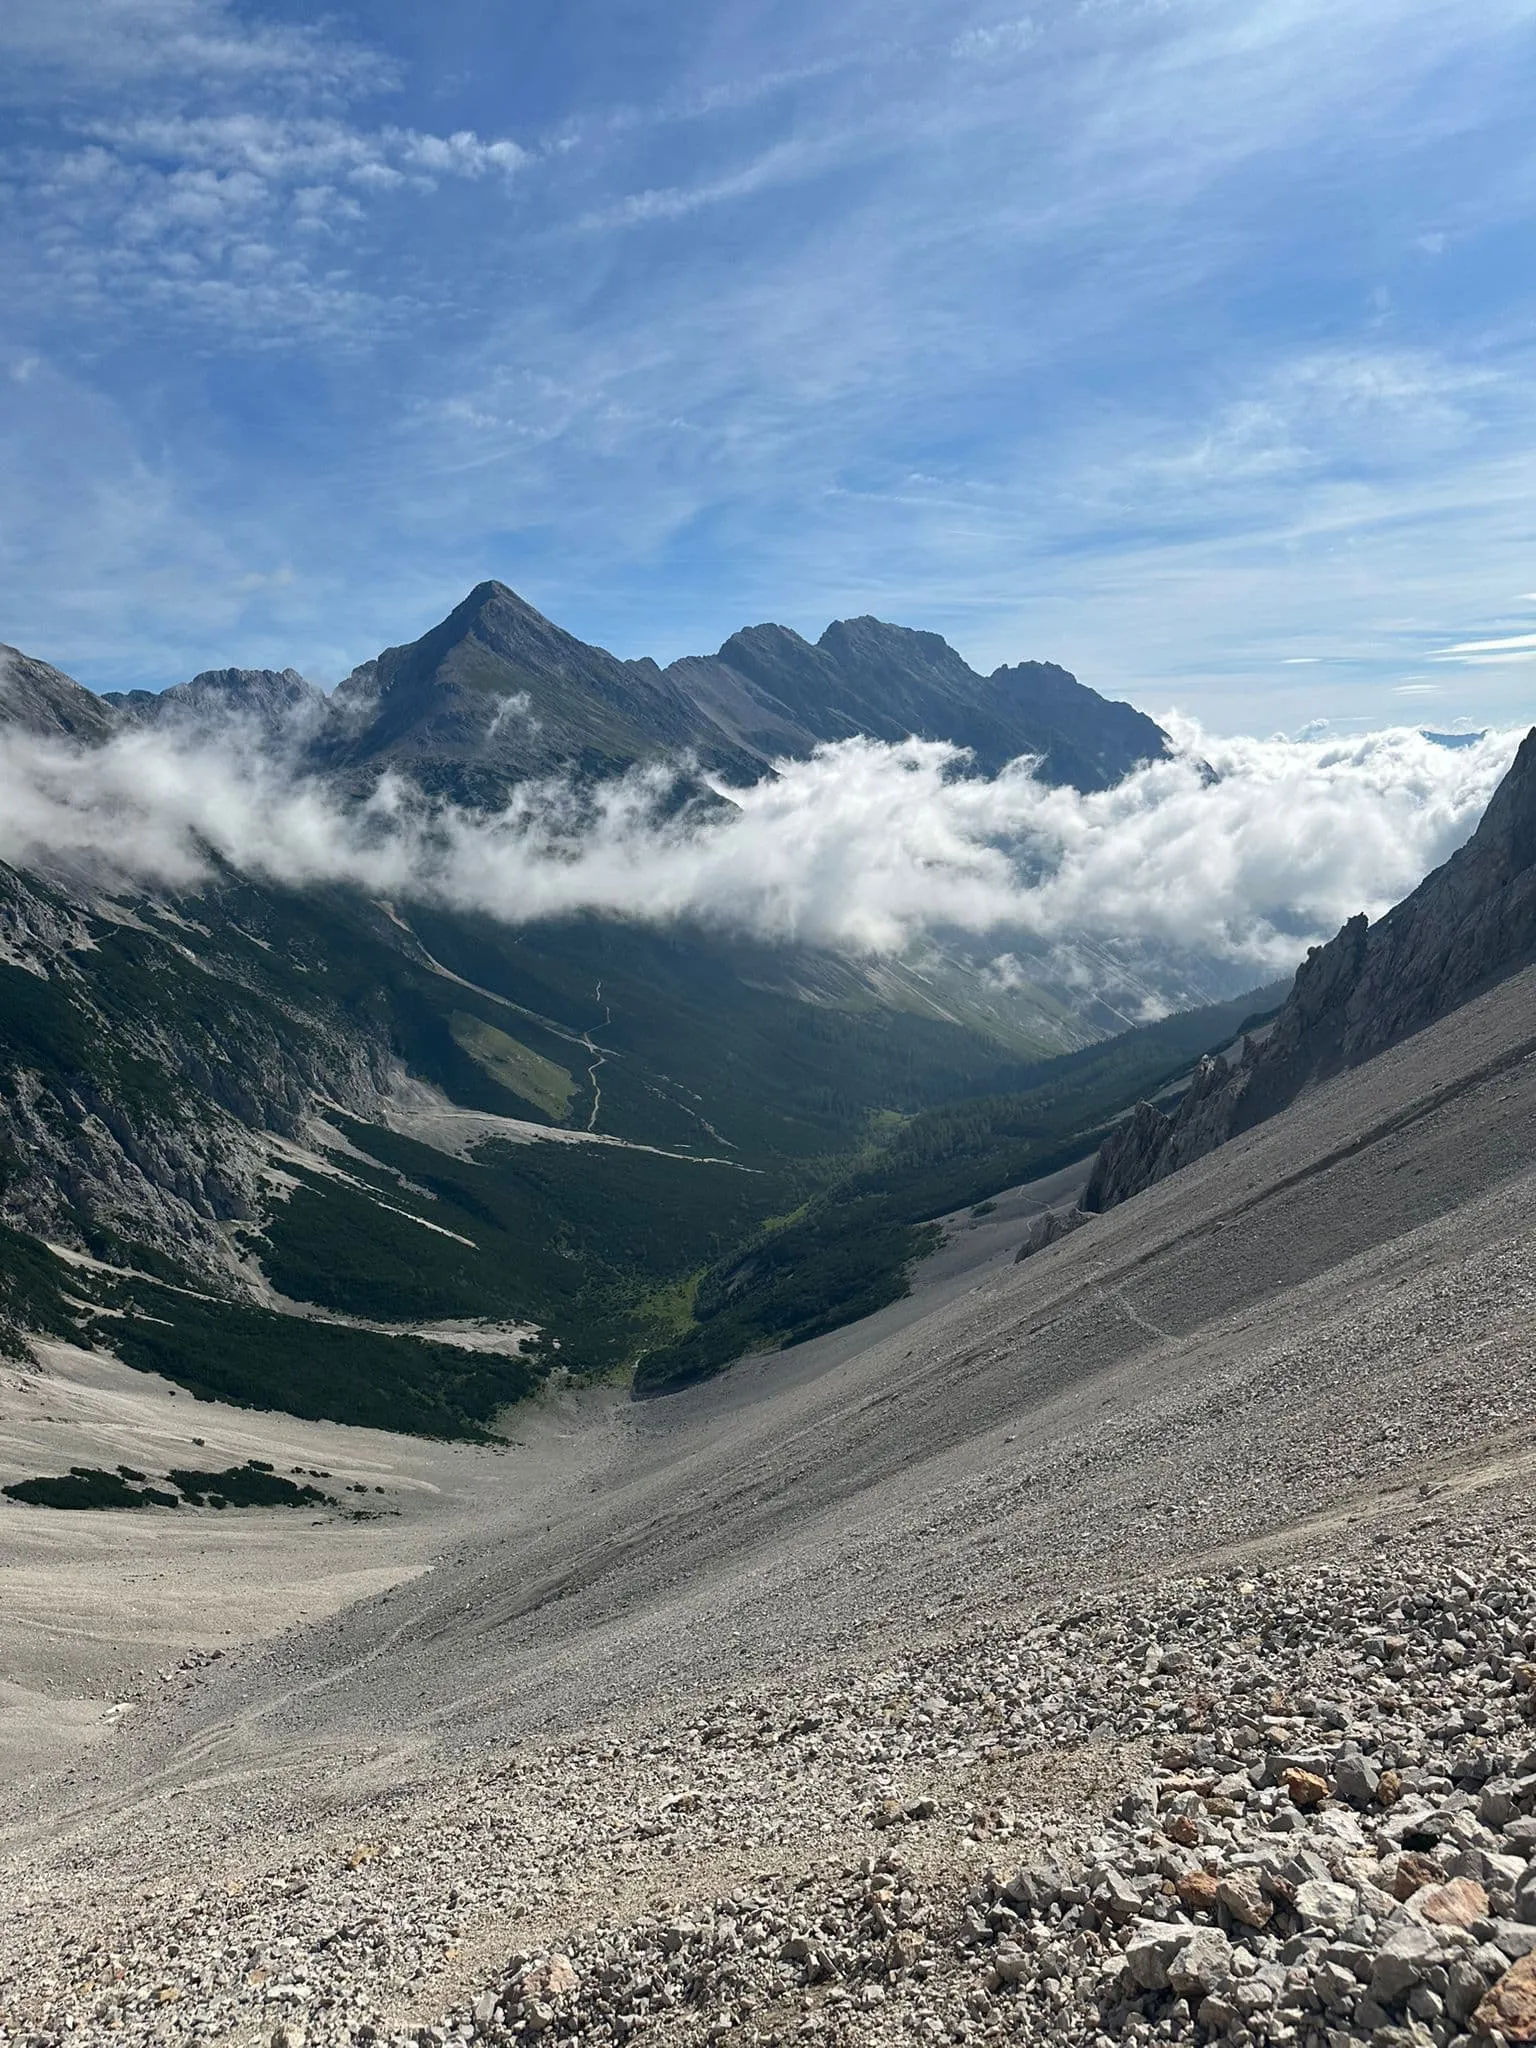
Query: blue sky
{"type": "Point", "coordinates": [1191, 343]}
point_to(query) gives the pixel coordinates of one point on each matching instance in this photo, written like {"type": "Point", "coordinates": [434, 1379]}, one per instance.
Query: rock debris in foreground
{"type": "Point", "coordinates": [1293, 1807]}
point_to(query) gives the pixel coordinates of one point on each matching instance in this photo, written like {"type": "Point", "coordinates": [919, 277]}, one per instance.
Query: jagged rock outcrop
{"type": "Point", "coordinates": [1469, 924]}
{"type": "Point", "coordinates": [1049, 1227]}
{"type": "Point", "coordinates": [279, 703]}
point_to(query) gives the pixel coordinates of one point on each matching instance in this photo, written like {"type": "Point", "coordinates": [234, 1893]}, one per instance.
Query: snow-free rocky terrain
{"type": "Point", "coordinates": [1137, 1643]}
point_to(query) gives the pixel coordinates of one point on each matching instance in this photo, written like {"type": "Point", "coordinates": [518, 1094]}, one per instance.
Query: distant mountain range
{"type": "Point", "coordinates": [285, 1143]}
{"type": "Point", "coordinates": [496, 694]}
{"type": "Point", "coordinates": [289, 1145]}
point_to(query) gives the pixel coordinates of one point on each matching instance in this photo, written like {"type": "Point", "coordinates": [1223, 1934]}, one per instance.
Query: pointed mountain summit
{"type": "Point", "coordinates": [498, 692]}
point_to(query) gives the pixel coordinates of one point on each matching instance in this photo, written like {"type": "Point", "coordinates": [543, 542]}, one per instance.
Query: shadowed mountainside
{"type": "Point", "coordinates": [1467, 926]}
{"type": "Point", "coordinates": [497, 690]}
{"type": "Point", "coordinates": [497, 693]}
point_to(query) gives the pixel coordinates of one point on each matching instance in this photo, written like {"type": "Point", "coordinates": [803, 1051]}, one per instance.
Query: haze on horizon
{"type": "Point", "coordinates": [1189, 345]}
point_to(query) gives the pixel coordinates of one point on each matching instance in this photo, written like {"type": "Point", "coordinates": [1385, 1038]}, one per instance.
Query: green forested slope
{"type": "Point", "coordinates": [848, 1250]}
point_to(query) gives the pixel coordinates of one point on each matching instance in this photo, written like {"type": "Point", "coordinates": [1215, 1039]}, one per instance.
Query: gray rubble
{"type": "Point", "coordinates": [1288, 1806]}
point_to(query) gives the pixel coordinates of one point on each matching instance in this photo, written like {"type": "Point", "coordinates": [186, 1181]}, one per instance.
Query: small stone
{"type": "Point", "coordinates": [1320, 1903]}
{"type": "Point", "coordinates": [1356, 1780]}
{"type": "Point", "coordinates": [1216, 2013]}
{"type": "Point", "coordinates": [903, 1949]}
{"type": "Point", "coordinates": [1414, 1871]}
{"type": "Point", "coordinates": [1148, 1952]}
{"type": "Point", "coordinates": [1201, 1963]}
{"type": "Point", "coordinates": [1197, 1891]}
{"type": "Point", "coordinates": [1305, 1787]}
{"type": "Point", "coordinates": [1239, 1892]}
{"type": "Point", "coordinates": [1409, 1951]}
{"type": "Point", "coordinates": [1456, 1904]}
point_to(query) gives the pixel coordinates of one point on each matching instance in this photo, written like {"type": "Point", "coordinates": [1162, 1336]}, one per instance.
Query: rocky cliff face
{"type": "Point", "coordinates": [1469, 924]}
{"type": "Point", "coordinates": [145, 1074]}
{"type": "Point", "coordinates": [278, 703]}
{"type": "Point", "coordinates": [43, 700]}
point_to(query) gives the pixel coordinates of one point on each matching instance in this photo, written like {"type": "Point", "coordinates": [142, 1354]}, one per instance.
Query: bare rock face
{"type": "Point", "coordinates": [1050, 1226]}
{"type": "Point", "coordinates": [44, 700]}
{"type": "Point", "coordinates": [276, 703]}
{"type": "Point", "coordinates": [1130, 1159]}
{"type": "Point", "coordinates": [1468, 925]}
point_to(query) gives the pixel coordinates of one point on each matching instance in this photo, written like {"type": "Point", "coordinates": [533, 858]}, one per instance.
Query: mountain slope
{"type": "Point", "coordinates": [43, 700]}
{"type": "Point", "coordinates": [279, 702]}
{"type": "Point", "coordinates": [248, 1102]}
{"type": "Point", "coordinates": [852, 1247]}
{"type": "Point", "coordinates": [1468, 925]}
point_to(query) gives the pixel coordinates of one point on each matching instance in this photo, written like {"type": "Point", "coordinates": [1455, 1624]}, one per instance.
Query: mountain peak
{"type": "Point", "coordinates": [863, 642]}
{"type": "Point", "coordinates": [493, 593]}
{"type": "Point", "coordinates": [275, 699]}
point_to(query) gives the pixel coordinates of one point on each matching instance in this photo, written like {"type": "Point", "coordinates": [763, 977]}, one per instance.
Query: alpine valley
{"type": "Point", "coordinates": [391, 1163]}
{"type": "Point", "coordinates": [1096, 1606]}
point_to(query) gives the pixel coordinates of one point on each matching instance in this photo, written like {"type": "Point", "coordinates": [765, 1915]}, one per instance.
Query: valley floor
{"type": "Point", "coordinates": [727, 1702]}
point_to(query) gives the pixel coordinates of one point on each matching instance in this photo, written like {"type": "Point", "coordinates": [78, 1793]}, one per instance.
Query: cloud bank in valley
{"type": "Point", "coordinates": [866, 848]}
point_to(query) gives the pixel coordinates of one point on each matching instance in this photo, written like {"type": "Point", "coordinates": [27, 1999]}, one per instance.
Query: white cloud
{"type": "Point", "coordinates": [1002, 39]}
{"type": "Point", "coordinates": [865, 847]}
{"type": "Point", "coordinates": [84, 45]}
{"type": "Point", "coordinates": [229, 216]}
{"type": "Point", "coordinates": [460, 155]}
{"type": "Point", "coordinates": [1512, 644]}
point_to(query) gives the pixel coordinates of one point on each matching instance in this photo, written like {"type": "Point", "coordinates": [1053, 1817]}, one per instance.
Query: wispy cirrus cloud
{"type": "Point", "coordinates": [1509, 647]}
{"type": "Point", "coordinates": [1000, 39]}
{"type": "Point", "coordinates": [80, 48]}
{"type": "Point", "coordinates": [1171, 341]}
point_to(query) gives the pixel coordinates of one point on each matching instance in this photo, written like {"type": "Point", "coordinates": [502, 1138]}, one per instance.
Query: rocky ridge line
{"type": "Point", "coordinates": [1469, 924]}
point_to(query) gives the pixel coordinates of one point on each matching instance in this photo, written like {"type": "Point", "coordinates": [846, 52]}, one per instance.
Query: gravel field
{"type": "Point", "coordinates": [1135, 1644]}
